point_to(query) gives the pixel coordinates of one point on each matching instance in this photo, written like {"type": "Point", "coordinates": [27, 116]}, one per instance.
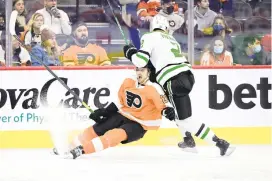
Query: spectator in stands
{"type": "Point", "coordinates": [217, 55]}
{"type": "Point", "coordinates": [266, 43]}
{"type": "Point", "coordinates": [220, 28]}
{"type": "Point", "coordinates": [145, 11]}
{"type": "Point", "coordinates": [82, 52]}
{"type": "Point", "coordinates": [149, 8]}
{"type": "Point", "coordinates": [224, 7]}
{"type": "Point", "coordinates": [129, 16]}
{"type": "Point", "coordinates": [2, 23]}
{"type": "Point", "coordinates": [2, 31]}
{"type": "Point", "coordinates": [250, 52]}
{"type": "Point", "coordinates": [56, 19]}
{"type": "Point", "coordinates": [33, 35]}
{"type": "Point", "coordinates": [21, 56]}
{"type": "Point", "coordinates": [167, 10]}
{"type": "Point", "coordinates": [17, 24]}
{"type": "Point", "coordinates": [204, 16]}
{"type": "Point", "coordinates": [49, 51]}
{"type": "Point", "coordinates": [2, 57]}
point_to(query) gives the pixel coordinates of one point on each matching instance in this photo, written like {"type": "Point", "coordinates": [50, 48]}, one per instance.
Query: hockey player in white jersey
{"type": "Point", "coordinates": [174, 74]}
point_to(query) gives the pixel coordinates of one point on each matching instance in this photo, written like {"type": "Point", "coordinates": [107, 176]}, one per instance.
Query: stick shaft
{"type": "Point", "coordinates": [119, 26]}
{"type": "Point", "coordinates": [54, 75]}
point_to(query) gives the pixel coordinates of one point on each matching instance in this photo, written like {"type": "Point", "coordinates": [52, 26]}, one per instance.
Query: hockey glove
{"type": "Point", "coordinates": [129, 50]}
{"type": "Point", "coordinates": [103, 114]}
{"type": "Point", "coordinates": [169, 113]}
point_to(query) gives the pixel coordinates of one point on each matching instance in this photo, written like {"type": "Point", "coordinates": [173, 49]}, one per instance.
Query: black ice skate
{"type": "Point", "coordinates": [76, 152]}
{"type": "Point", "coordinates": [188, 143]}
{"type": "Point", "coordinates": [55, 151]}
{"type": "Point", "coordinates": [224, 146]}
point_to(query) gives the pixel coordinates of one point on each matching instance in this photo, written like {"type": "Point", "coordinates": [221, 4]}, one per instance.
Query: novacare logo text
{"type": "Point", "coordinates": [241, 99]}
{"type": "Point", "coordinates": [31, 96]}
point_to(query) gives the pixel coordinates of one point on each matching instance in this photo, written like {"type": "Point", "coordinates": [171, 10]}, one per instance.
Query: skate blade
{"type": "Point", "coordinates": [190, 150]}
{"type": "Point", "coordinates": [230, 150]}
{"type": "Point", "coordinates": [66, 156]}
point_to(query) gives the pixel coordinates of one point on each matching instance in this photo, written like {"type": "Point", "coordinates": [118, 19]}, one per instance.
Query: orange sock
{"type": "Point", "coordinates": [109, 139]}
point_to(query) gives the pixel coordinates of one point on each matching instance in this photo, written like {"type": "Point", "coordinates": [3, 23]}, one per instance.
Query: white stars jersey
{"type": "Point", "coordinates": [165, 54]}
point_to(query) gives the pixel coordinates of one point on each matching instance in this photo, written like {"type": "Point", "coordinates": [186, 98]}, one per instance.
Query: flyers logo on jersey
{"type": "Point", "coordinates": [85, 57]}
{"type": "Point", "coordinates": [133, 100]}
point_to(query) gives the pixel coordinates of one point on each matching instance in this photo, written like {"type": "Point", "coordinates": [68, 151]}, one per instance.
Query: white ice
{"type": "Point", "coordinates": [247, 163]}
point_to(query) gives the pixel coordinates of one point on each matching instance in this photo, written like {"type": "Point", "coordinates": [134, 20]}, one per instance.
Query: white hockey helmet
{"type": "Point", "coordinates": [159, 22]}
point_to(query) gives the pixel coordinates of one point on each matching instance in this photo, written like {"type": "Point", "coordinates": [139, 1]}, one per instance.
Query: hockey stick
{"type": "Point", "coordinates": [119, 26]}
{"type": "Point", "coordinates": [54, 75]}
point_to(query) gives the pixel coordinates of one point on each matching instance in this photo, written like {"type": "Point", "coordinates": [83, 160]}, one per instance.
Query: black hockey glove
{"type": "Point", "coordinates": [129, 50]}
{"type": "Point", "coordinates": [169, 113]}
{"type": "Point", "coordinates": [103, 114]}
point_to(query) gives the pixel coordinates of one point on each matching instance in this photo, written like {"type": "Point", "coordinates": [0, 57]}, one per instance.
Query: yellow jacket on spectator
{"type": "Point", "coordinates": [209, 59]}
{"type": "Point", "coordinates": [86, 56]}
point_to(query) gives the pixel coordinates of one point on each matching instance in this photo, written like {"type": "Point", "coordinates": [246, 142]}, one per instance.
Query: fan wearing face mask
{"type": "Point", "coordinates": [167, 10]}
{"type": "Point", "coordinates": [217, 55]}
{"type": "Point", "coordinates": [250, 53]}
{"type": "Point", "coordinates": [220, 28]}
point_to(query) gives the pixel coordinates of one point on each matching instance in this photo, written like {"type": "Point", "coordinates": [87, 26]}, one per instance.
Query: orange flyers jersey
{"type": "Point", "coordinates": [90, 55]}
{"type": "Point", "coordinates": [150, 7]}
{"type": "Point", "coordinates": [142, 104]}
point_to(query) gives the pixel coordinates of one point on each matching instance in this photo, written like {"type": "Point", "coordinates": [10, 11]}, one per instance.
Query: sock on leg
{"type": "Point", "coordinates": [200, 130]}
{"type": "Point", "coordinates": [109, 139]}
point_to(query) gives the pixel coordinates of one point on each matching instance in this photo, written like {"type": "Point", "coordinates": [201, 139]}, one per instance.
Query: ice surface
{"type": "Point", "coordinates": [247, 163]}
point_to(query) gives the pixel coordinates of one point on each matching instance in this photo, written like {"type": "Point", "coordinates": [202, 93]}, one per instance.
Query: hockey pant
{"type": "Point", "coordinates": [177, 90]}
{"type": "Point", "coordinates": [109, 133]}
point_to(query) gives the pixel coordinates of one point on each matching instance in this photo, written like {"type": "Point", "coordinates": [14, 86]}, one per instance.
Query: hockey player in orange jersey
{"type": "Point", "coordinates": [142, 105]}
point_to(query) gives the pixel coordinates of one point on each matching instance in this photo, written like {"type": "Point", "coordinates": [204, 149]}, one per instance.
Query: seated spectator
{"type": "Point", "coordinates": [250, 52]}
{"type": "Point", "coordinates": [21, 56]}
{"type": "Point", "coordinates": [17, 24]}
{"type": "Point", "coordinates": [48, 52]}
{"type": "Point", "coordinates": [129, 16]}
{"type": "Point", "coordinates": [266, 43]}
{"type": "Point", "coordinates": [82, 52]}
{"type": "Point", "coordinates": [220, 28]}
{"type": "Point", "coordinates": [222, 6]}
{"type": "Point", "coordinates": [33, 35]}
{"type": "Point", "coordinates": [167, 10]}
{"type": "Point", "coordinates": [2, 23]}
{"type": "Point", "coordinates": [204, 16]}
{"type": "Point", "coordinates": [2, 57]}
{"type": "Point", "coordinates": [149, 8]}
{"type": "Point", "coordinates": [56, 19]}
{"type": "Point", "coordinates": [2, 31]}
{"type": "Point", "coordinates": [217, 55]}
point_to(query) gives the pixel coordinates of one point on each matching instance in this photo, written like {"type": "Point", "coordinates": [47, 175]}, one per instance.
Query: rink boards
{"type": "Point", "coordinates": [235, 102]}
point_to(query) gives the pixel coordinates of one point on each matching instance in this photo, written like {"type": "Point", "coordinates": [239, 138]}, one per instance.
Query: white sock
{"type": "Point", "coordinates": [198, 129]}
{"type": "Point", "coordinates": [181, 130]}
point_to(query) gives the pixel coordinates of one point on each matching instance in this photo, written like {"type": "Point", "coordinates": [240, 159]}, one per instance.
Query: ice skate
{"type": "Point", "coordinates": [224, 146]}
{"type": "Point", "coordinates": [54, 151]}
{"type": "Point", "coordinates": [74, 153]}
{"type": "Point", "coordinates": [188, 143]}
